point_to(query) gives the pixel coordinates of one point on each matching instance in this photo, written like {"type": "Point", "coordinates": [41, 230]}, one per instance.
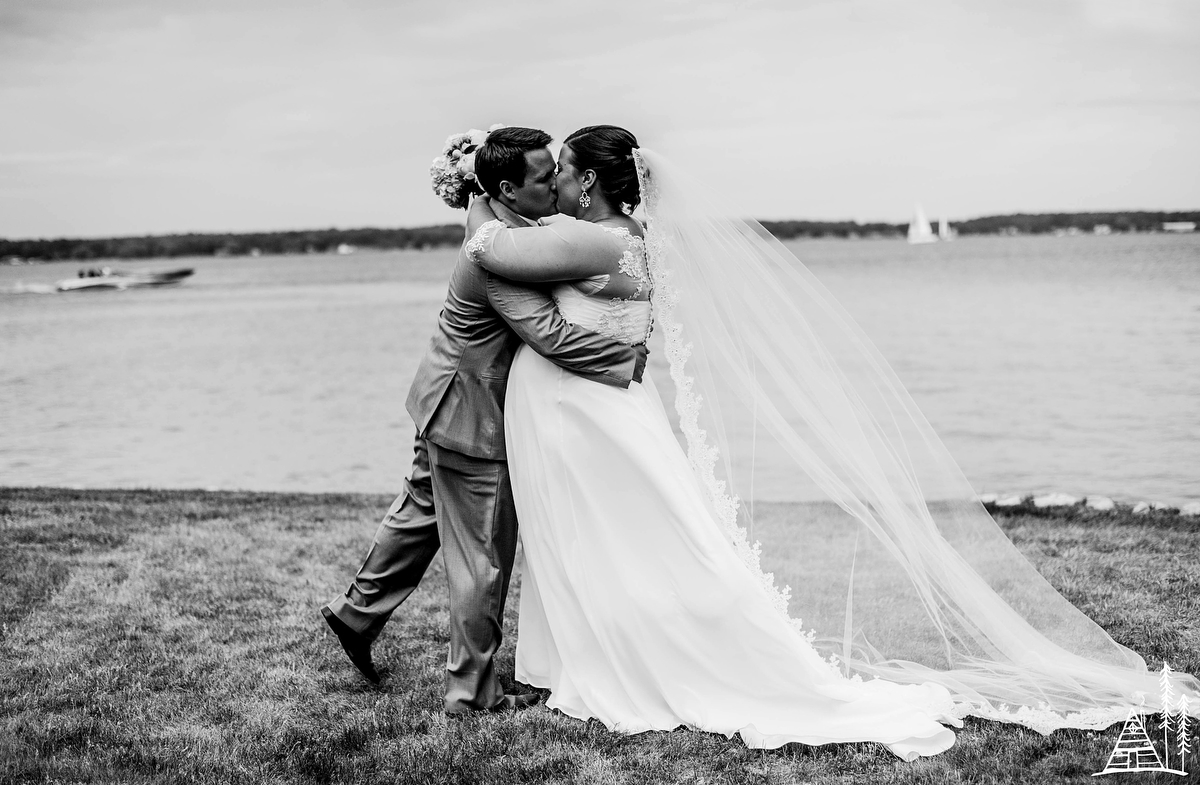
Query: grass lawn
{"type": "Point", "coordinates": [173, 636]}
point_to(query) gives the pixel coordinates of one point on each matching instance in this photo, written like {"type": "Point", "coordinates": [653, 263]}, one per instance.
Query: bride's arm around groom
{"type": "Point", "coordinates": [535, 318]}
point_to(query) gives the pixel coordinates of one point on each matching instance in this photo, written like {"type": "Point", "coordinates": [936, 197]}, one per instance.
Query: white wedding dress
{"type": "Point", "coordinates": [635, 608]}
{"type": "Point", "coordinates": [657, 595]}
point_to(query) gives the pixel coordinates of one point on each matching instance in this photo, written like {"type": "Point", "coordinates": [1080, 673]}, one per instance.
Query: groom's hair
{"type": "Point", "coordinates": [502, 156]}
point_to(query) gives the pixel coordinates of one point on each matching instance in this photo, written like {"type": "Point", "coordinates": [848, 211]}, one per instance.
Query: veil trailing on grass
{"type": "Point", "coordinates": [895, 569]}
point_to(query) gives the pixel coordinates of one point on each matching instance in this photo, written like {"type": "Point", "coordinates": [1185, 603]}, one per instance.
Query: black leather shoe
{"type": "Point", "coordinates": [357, 648]}
{"type": "Point", "coordinates": [507, 704]}
{"type": "Point", "coordinates": [517, 702]}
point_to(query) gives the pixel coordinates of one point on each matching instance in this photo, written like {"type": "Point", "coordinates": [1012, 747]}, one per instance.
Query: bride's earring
{"type": "Point", "coordinates": [585, 201]}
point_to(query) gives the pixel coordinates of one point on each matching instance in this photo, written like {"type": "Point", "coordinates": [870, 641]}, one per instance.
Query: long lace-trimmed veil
{"type": "Point", "coordinates": [895, 569]}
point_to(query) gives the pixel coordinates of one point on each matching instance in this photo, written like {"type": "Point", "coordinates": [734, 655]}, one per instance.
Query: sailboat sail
{"type": "Point", "coordinates": [919, 230]}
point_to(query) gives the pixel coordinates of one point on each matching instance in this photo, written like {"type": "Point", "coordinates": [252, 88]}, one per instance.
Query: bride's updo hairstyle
{"type": "Point", "coordinates": [608, 151]}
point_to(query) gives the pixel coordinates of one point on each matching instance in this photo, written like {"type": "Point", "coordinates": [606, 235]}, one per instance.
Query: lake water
{"type": "Point", "coordinates": [1045, 363]}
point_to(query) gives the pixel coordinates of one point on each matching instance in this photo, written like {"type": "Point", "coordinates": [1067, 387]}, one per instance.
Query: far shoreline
{"type": "Point", "coordinates": [116, 263]}
{"type": "Point", "coordinates": [350, 241]}
{"type": "Point", "coordinates": [1121, 512]}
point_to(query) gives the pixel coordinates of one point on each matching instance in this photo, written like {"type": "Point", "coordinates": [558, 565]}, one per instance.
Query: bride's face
{"type": "Point", "coordinates": [569, 182]}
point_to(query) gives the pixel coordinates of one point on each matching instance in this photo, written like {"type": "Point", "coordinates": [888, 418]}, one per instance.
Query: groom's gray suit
{"type": "Point", "coordinates": [458, 494]}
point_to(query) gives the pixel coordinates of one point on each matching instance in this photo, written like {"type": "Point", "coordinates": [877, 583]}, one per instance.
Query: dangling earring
{"type": "Point", "coordinates": [585, 201]}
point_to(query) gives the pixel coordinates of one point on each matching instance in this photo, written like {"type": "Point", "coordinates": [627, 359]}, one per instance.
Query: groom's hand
{"type": "Point", "coordinates": [639, 365]}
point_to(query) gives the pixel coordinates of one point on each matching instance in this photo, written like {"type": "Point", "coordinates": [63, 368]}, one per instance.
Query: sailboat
{"type": "Point", "coordinates": [919, 230]}
{"type": "Point", "coordinates": [945, 232]}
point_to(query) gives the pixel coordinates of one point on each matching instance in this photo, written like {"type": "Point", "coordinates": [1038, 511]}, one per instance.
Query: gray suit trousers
{"type": "Point", "coordinates": [465, 505]}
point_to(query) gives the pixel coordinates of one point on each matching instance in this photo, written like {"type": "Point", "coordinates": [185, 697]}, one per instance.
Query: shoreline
{"type": "Point", "coordinates": [30, 250]}
{"type": "Point", "coordinates": [1047, 505]}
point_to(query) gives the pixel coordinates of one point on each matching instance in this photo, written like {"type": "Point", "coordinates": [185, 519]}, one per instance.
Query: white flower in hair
{"type": "Point", "coordinates": [452, 173]}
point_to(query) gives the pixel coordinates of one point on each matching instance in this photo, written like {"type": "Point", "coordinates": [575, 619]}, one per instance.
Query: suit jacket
{"type": "Point", "coordinates": [457, 397]}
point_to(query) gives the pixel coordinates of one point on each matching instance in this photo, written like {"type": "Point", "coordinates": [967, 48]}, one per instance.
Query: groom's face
{"type": "Point", "coordinates": [538, 196]}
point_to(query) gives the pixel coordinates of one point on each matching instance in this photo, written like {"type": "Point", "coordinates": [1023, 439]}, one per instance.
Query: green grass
{"type": "Point", "coordinates": [154, 636]}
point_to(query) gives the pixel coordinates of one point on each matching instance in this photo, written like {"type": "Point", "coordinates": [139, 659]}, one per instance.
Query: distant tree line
{"type": "Point", "coordinates": [328, 240]}
{"type": "Point", "coordinates": [1019, 223]}
{"type": "Point", "coordinates": [1048, 223]}
{"type": "Point", "coordinates": [790, 230]}
{"type": "Point", "coordinates": [158, 246]}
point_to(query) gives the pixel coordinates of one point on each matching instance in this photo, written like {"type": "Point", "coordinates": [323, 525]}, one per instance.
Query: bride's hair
{"type": "Point", "coordinates": [608, 151]}
{"type": "Point", "coordinates": [502, 156]}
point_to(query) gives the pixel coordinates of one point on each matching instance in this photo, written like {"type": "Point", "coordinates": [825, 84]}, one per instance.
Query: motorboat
{"type": "Point", "coordinates": [108, 278]}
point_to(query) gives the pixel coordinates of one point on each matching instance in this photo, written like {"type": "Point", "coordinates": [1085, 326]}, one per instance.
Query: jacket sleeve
{"type": "Point", "coordinates": [535, 319]}
{"type": "Point", "coordinates": [564, 251]}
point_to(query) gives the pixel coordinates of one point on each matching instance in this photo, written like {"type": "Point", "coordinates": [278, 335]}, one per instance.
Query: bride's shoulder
{"type": "Point", "coordinates": [626, 226]}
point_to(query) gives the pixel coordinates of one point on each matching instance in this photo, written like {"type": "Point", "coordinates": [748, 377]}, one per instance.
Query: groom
{"type": "Point", "coordinates": [458, 494]}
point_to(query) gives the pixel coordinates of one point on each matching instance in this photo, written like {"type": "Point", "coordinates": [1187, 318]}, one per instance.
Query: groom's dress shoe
{"type": "Point", "coordinates": [357, 648]}
{"type": "Point", "coordinates": [517, 702]}
{"type": "Point", "coordinates": [507, 704]}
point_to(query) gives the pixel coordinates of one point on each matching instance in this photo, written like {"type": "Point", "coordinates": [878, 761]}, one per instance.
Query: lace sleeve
{"type": "Point", "coordinates": [477, 244]}
{"type": "Point", "coordinates": [565, 251]}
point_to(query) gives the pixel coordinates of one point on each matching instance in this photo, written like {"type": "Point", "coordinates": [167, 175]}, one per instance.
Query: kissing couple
{"type": "Point", "coordinates": [643, 601]}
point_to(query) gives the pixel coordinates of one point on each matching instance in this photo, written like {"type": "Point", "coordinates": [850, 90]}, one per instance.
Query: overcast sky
{"type": "Point", "coordinates": [153, 116]}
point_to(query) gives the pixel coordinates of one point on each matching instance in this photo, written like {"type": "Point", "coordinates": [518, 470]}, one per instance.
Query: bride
{"type": "Point", "coordinates": [646, 600]}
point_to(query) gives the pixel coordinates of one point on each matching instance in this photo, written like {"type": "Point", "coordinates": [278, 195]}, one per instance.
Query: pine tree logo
{"type": "Point", "coordinates": [1135, 752]}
